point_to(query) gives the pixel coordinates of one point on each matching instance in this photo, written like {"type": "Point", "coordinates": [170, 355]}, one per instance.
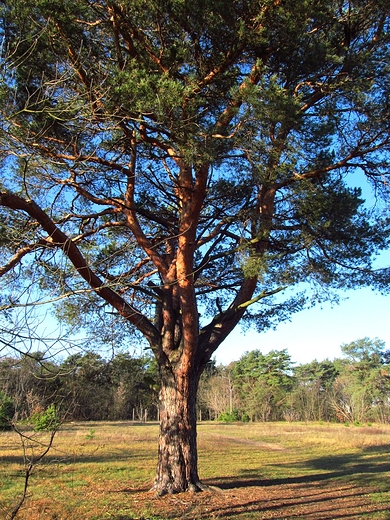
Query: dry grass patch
{"type": "Point", "coordinates": [281, 471]}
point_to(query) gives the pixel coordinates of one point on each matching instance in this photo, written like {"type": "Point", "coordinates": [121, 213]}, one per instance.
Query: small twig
{"type": "Point", "coordinates": [29, 464]}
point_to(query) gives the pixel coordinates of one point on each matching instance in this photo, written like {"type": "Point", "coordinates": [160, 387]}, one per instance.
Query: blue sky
{"type": "Point", "coordinates": [317, 333]}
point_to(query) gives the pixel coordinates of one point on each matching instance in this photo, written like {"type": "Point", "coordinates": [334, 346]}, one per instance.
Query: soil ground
{"type": "Point", "coordinates": [278, 501]}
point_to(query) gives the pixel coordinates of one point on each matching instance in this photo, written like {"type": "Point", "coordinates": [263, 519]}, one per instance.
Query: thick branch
{"type": "Point", "coordinates": [213, 334]}
{"type": "Point", "coordinates": [230, 111]}
{"type": "Point", "coordinates": [59, 239]}
{"type": "Point", "coordinates": [21, 253]}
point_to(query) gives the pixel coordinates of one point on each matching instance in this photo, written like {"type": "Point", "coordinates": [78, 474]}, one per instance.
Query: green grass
{"type": "Point", "coordinates": [260, 468]}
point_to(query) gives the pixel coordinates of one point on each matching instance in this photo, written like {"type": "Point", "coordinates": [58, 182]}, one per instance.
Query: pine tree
{"type": "Point", "coordinates": [181, 163]}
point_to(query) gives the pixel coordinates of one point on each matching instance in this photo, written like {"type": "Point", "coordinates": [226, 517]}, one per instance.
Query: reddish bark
{"type": "Point", "coordinates": [177, 468]}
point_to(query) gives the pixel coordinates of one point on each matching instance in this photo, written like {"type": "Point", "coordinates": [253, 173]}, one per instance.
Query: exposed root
{"type": "Point", "coordinates": [161, 489]}
{"type": "Point", "coordinates": [205, 487]}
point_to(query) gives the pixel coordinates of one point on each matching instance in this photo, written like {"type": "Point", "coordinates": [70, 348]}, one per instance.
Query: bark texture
{"type": "Point", "coordinates": [177, 468]}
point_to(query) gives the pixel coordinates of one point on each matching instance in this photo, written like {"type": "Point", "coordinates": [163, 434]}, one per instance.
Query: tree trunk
{"type": "Point", "coordinates": [177, 468]}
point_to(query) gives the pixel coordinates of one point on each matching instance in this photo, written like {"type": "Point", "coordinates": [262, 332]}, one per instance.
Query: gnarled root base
{"type": "Point", "coordinates": [169, 488]}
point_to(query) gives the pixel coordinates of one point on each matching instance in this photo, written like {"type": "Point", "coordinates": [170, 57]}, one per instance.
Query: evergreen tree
{"type": "Point", "coordinates": [263, 382]}
{"type": "Point", "coordinates": [313, 384]}
{"type": "Point", "coordinates": [182, 163]}
{"type": "Point", "coordinates": [362, 390]}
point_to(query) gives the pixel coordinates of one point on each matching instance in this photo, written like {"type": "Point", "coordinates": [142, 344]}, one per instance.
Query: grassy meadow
{"type": "Point", "coordinates": [259, 471]}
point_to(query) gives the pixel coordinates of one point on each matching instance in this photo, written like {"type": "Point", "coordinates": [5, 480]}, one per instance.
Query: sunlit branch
{"type": "Point", "coordinates": [21, 253]}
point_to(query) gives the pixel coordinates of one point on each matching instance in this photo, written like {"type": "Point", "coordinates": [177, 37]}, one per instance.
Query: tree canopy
{"type": "Point", "coordinates": [181, 163]}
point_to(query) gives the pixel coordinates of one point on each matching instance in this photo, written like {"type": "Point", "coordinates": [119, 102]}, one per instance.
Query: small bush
{"type": "Point", "coordinates": [7, 410]}
{"type": "Point", "coordinates": [228, 417]}
{"type": "Point", "coordinates": [90, 435]}
{"type": "Point", "coordinates": [47, 420]}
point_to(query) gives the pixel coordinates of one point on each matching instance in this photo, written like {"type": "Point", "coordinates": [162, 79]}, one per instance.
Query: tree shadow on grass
{"type": "Point", "coordinates": [337, 487]}
{"type": "Point", "coordinates": [78, 458]}
{"type": "Point", "coordinates": [340, 488]}
{"type": "Point", "coordinates": [294, 501]}
{"type": "Point", "coordinates": [302, 502]}
{"type": "Point", "coordinates": [329, 467]}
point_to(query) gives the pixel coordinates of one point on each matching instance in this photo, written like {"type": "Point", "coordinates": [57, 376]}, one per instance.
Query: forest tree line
{"type": "Point", "coordinates": [259, 387]}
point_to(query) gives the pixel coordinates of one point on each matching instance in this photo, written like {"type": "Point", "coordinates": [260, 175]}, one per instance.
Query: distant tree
{"type": "Point", "coordinates": [87, 386]}
{"type": "Point", "coordinates": [125, 377]}
{"type": "Point", "coordinates": [262, 381]}
{"type": "Point", "coordinates": [362, 390]}
{"type": "Point", "coordinates": [365, 351]}
{"type": "Point", "coordinates": [135, 387]}
{"type": "Point", "coordinates": [173, 166]}
{"type": "Point", "coordinates": [309, 399]}
{"type": "Point", "coordinates": [7, 410]}
{"type": "Point", "coordinates": [9, 377]}
{"type": "Point", "coordinates": [216, 390]}
{"type": "Point", "coordinates": [32, 382]}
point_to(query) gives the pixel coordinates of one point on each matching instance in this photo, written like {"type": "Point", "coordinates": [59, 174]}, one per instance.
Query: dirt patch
{"type": "Point", "coordinates": [282, 502]}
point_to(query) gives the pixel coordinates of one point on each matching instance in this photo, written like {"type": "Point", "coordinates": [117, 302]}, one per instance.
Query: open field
{"type": "Point", "coordinates": [263, 471]}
